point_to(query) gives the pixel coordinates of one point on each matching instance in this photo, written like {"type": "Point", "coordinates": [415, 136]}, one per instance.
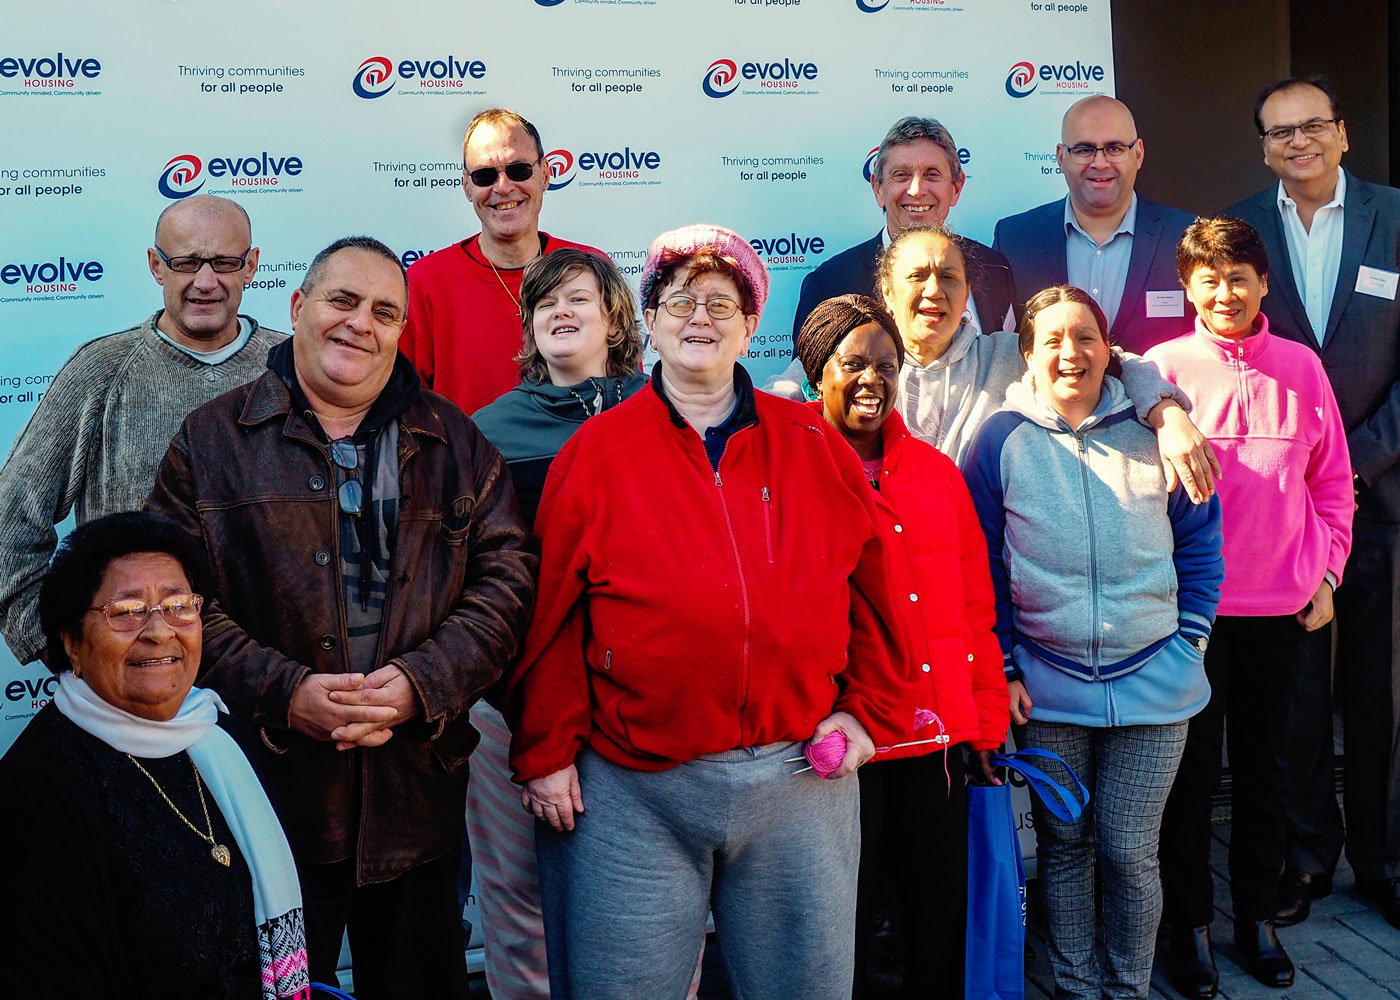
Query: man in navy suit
{"type": "Point", "coordinates": [917, 178]}
{"type": "Point", "coordinates": [1334, 246]}
{"type": "Point", "coordinates": [1103, 237]}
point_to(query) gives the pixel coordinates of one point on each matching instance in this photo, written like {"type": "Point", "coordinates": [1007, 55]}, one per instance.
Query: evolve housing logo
{"type": "Point", "coordinates": [262, 172]}
{"type": "Point", "coordinates": [378, 75]}
{"type": "Point", "coordinates": [619, 167]}
{"type": "Point", "coordinates": [47, 278]}
{"type": "Point", "coordinates": [55, 73]}
{"type": "Point", "coordinates": [1060, 78]}
{"type": "Point", "coordinates": [724, 77]}
{"type": "Point", "coordinates": [870, 159]}
{"type": "Point", "coordinates": [788, 248]}
{"type": "Point", "coordinates": [875, 6]}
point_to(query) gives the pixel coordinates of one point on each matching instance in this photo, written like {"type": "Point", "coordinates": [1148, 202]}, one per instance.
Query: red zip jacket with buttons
{"type": "Point", "coordinates": [684, 611]}
{"type": "Point", "coordinates": [937, 553]}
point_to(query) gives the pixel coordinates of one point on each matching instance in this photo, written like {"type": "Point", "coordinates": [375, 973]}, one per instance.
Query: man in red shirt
{"type": "Point", "coordinates": [463, 326]}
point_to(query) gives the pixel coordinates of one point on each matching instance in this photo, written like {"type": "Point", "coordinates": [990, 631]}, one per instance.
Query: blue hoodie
{"type": "Point", "coordinates": [1106, 584]}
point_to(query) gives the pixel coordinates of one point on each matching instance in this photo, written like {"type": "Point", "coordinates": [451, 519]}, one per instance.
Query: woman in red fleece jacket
{"type": "Point", "coordinates": [713, 591]}
{"type": "Point", "coordinates": [913, 799]}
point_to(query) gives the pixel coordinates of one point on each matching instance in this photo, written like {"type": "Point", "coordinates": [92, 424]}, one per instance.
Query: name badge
{"type": "Point", "coordinates": [1165, 303]}
{"type": "Point", "coordinates": [1374, 281]}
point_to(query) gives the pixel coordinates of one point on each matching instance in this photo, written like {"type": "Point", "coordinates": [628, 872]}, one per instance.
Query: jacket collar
{"type": "Point", "coordinates": [1358, 219]}
{"type": "Point", "coordinates": [1236, 348]}
{"type": "Point", "coordinates": [273, 396]}
{"type": "Point", "coordinates": [744, 416]}
{"type": "Point", "coordinates": [893, 433]}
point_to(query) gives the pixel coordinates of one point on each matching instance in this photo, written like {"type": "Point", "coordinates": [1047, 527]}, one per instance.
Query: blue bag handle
{"type": "Point", "coordinates": [330, 991]}
{"type": "Point", "coordinates": [1061, 802]}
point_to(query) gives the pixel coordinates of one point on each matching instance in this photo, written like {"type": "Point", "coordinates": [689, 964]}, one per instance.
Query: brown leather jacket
{"type": "Point", "coordinates": [249, 479]}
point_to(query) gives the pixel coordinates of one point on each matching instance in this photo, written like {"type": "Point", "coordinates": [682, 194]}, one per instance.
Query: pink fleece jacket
{"type": "Point", "coordinates": [1285, 485]}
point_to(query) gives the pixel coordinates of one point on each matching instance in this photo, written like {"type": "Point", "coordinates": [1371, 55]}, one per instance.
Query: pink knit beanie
{"type": "Point", "coordinates": [689, 240]}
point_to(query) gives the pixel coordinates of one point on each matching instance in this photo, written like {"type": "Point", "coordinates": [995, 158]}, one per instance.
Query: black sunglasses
{"type": "Point", "coordinates": [486, 176]}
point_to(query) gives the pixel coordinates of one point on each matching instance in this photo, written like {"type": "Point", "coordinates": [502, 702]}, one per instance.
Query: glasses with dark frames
{"type": "Point", "coordinates": [1315, 129]}
{"type": "Point", "coordinates": [1112, 152]}
{"type": "Point", "coordinates": [192, 265]}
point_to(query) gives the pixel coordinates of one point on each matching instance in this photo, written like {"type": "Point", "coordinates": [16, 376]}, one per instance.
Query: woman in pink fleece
{"type": "Point", "coordinates": [1286, 500]}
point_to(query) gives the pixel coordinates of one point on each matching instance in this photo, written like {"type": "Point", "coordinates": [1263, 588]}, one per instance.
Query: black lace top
{"type": "Point", "coordinates": [109, 893]}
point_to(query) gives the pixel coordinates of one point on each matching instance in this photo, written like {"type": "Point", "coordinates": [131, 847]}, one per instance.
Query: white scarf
{"type": "Point", "coordinates": [241, 801]}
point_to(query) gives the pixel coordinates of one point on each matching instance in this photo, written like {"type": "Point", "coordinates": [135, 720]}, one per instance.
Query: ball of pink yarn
{"type": "Point", "coordinates": [826, 756]}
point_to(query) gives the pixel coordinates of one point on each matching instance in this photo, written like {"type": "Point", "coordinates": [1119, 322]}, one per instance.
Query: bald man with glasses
{"type": "Point", "coordinates": [98, 434]}
{"type": "Point", "coordinates": [1103, 236]}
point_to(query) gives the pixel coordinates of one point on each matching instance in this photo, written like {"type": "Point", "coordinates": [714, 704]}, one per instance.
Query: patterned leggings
{"type": "Point", "coordinates": [1129, 771]}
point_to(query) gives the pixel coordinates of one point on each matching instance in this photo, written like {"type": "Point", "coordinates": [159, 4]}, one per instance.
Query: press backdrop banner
{"type": "Point", "coordinates": [328, 118]}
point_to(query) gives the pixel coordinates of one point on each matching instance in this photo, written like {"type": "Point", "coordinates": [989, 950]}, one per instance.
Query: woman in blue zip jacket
{"type": "Point", "coordinates": [1106, 589]}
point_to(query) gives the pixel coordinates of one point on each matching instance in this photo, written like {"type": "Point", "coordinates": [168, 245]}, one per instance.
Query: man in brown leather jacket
{"type": "Point", "coordinates": [371, 577]}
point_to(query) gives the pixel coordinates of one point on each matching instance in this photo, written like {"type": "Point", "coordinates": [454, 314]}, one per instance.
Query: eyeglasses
{"type": "Point", "coordinates": [351, 494]}
{"type": "Point", "coordinates": [1314, 129]}
{"type": "Point", "coordinates": [131, 615]}
{"type": "Point", "coordinates": [683, 306]}
{"type": "Point", "coordinates": [192, 265]}
{"type": "Point", "coordinates": [1113, 152]}
{"type": "Point", "coordinates": [518, 171]}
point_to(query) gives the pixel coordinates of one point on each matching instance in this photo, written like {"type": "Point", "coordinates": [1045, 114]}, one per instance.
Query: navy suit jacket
{"type": "Point", "coordinates": [1034, 243]}
{"type": "Point", "coordinates": [1361, 346]}
{"type": "Point", "coordinates": [853, 270]}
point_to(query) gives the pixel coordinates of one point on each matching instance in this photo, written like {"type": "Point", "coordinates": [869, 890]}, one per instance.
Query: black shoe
{"type": "Point", "coordinates": [1385, 893]}
{"type": "Point", "coordinates": [1296, 892]}
{"type": "Point", "coordinates": [1192, 969]}
{"type": "Point", "coordinates": [1262, 953]}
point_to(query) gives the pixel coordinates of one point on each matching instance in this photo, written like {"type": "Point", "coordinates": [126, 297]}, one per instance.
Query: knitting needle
{"type": "Point", "coordinates": [896, 746]}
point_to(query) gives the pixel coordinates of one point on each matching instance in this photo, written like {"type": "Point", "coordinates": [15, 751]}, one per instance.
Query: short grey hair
{"type": "Point", "coordinates": [912, 129]}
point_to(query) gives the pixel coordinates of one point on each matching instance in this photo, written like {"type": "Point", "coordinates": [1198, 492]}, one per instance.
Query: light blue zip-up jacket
{"type": "Point", "coordinates": [1105, 583]}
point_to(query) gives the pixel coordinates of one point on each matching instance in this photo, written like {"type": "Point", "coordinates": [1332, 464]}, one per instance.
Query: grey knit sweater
{"type": "Point", "coordinates": [93, 446]}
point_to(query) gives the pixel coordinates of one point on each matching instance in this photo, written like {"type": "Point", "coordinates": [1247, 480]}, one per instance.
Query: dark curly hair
{"type": "Point", "coordinates": [82, 558]}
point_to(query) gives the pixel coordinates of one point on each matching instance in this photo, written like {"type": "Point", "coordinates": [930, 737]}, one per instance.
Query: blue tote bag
{"type": "Point", "coordinates": [996, 881]}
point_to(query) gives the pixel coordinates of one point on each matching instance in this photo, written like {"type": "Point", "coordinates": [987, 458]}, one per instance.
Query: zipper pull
{"type": "Point", "coordinates": [717, 480]}
{"type": "Point", "coordinates": [765, 494]}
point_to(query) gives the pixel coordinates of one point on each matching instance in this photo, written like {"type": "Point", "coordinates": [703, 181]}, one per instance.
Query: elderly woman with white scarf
{"type": "Point", "coordinates": [152, 864]}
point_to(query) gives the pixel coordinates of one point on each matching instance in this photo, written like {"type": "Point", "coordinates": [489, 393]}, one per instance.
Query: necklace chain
{"type": "Point", "coordinates": [217, 851]}
{"type": "Point", "coordinates": [513, 297]}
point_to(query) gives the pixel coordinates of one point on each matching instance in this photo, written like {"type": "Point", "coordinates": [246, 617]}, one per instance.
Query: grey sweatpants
{"type": "Point", "coordinates": [772, 854]}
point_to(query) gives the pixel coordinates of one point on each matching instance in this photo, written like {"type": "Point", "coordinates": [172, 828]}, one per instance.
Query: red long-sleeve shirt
{"type": "Point", "coordinates": [463, 324]}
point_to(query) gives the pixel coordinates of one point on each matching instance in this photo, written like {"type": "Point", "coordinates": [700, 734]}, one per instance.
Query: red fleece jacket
{"type": "Point", "coordinates": [463, 324]}
{"type": "Point", "coordinates": [936, 550]}
{"type": "Point", "coordinates": [683, 612]}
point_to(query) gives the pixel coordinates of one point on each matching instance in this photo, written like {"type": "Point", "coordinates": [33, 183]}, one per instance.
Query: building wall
{"type": "Point", "coordinates": [1191, 74]}
{"type": "Point", "coordinates": [1356, 61]}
